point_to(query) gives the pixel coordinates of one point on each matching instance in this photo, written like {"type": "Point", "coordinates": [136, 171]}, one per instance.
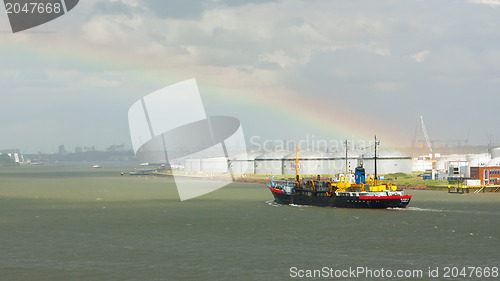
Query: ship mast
{"type": "Point", "coordinates": [376, 158]}
{"type": "Point", "coordinates": [346, 157]}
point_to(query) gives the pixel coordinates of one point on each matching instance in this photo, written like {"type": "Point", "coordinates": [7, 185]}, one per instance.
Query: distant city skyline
{"type": "Point", "coordinates": [285, 69]}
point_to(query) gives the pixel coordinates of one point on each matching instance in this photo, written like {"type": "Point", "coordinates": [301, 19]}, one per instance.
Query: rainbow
{"type": "Point", "coordinates": [338, 121]}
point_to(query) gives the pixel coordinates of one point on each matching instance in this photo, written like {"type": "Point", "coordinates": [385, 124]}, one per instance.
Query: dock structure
{"type": "Point", "coordinates": [475, 189]}
{"type": "Point", "coordinates": [459, 190]}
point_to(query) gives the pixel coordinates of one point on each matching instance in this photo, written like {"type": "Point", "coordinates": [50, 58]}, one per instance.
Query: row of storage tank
{"type": "Point", "coordinates": [456, 165]}
{"type": "Point", "coordinates": [495, 157]}
{"type": "Point", "coordinates": [310, 162]}
{"type": "Point", "coordinates": [463, 162]}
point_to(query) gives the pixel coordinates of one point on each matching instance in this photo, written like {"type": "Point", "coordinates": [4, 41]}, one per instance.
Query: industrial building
{"type": "Point", "coordinates": [482, 166]}
{"type": "Point", "coordinates": [487, 175]}
{"type": "Point", "coordinates": [281, 162]}
{"type": "Point", "coordinates": [14, 154]}
{"type": "Point", "coordinates": [458, 166]}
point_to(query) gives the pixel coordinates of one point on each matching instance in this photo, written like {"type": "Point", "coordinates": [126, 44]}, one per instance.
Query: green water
{"type": "Point", "coordinates": [80, 223]}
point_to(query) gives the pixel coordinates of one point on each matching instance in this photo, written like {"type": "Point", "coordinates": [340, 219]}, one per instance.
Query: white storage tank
{"type": "Point", "coordinates": [441, 164]}
{"type": "Point", "coordinates": [493, 162]}
{"type": "Point", "coordinates": [310, 163]}
{"type": "Point", "coordinates": [420, 165]}
{"type": "Point", "coordinates": [495, 152]}
{"type": "Point", "coordinates": [270, 163]}
{"type": "Point", "coordinates": [244, 163]}
{"type": "Point", "coordinates": [339, 161]}
{"type": "Point", "coordinates": [471, 159]}
{"type": "Point", "coordinates": [476, 160]}
{"type": "Point", "coordinates": [192, 164]}
{"type": "Point", "coordinates": [388, 161]}
{"type": "Point", "coordinates": [214, 165]}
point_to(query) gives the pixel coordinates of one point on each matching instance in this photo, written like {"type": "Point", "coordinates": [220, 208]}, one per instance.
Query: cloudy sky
{"type": "Point", "coordinates": [286, 69]}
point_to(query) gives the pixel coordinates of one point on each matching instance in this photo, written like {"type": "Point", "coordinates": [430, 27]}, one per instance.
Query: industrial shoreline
{"type": "Point", "coordinates": [409, 181]}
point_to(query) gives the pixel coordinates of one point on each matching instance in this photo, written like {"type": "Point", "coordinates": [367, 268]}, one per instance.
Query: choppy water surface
{"type": "Point", "coordinates": [84, 224]}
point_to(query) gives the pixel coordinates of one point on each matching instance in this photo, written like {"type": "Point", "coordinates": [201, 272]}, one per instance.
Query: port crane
{"type": "Point", "coordinates": [429, 145]}
{"type": "Point", "coordinates": [427, 140]}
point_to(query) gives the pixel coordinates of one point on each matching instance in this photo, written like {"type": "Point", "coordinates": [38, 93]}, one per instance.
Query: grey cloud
{"type": "Point", "coordinates": [193, 9]}
{"type": "Point", "coordinates": [331, 45]}
{"type": "Point", "coordinates": [242, 2]}
{"type": "Point", "coordinates": [268, 65]}
{"type": "Point", "coordinates": [185, 9]}
{"type": "Point", "coordinates": [113, 8]}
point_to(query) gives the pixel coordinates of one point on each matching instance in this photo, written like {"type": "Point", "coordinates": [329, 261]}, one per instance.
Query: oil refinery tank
{"type": "Point", "coordinates": [441, 163]}
{"type": "Point", "coordinates": [192, 164]}
{"type": "Point", "coordinates": [493, 162]}
{"type": "Point", "coordinates": [244, 163]}
{"type": "Point", "coordinates": [471, 160]}
{"type": "Point", "coordinates": [476, 160]}
{"type": "Point", "coordinates": [339, 161]}
{"type": "Point", "coordinates": [388, 161]}
{"type": "Point", "coordinates": [270, 163]}
{"type": "Point", "coordinates": [495, 152]}
{"type": "Point", "coordinates": [310, 163]}
{"type": "Point", "coordinates": [214, 165]}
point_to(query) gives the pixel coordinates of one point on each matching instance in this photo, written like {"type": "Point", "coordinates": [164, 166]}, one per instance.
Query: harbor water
{"type": "Point", "coordinates": [80, 223]}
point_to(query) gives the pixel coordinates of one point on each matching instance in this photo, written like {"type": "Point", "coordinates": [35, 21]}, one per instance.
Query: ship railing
{"type": "Point", "coordinates": [289, 183]}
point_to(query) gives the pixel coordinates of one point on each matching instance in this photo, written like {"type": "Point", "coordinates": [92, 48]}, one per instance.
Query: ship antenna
{"type": "Point", "coordinates": [297, 165]}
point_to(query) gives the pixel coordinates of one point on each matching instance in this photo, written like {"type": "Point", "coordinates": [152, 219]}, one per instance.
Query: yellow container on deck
{"type": "Point", "coordinates": [377, 188]}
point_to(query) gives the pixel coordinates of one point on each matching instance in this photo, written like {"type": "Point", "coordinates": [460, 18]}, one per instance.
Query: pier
{"type": "Point", "coordinates": [474, 189]}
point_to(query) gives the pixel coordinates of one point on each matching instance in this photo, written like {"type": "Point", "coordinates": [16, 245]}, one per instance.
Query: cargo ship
{"type": "Point", "coordinates": [344, 191]}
